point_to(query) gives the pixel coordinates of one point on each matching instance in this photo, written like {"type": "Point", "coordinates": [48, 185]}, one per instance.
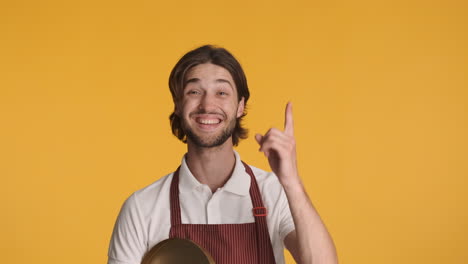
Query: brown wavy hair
{"type": "Point", "coordinates": [218, 56]}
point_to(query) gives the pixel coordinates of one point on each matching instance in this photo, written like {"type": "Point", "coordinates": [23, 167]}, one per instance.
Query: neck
{"type": "Point", "coordinates": [211, 166]}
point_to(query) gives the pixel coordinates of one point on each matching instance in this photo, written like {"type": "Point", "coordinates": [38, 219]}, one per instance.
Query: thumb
{"type": "Point", "coordinates": [259, 138]}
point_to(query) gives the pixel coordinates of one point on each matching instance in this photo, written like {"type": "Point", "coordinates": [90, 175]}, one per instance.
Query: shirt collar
{"type": "Point", "coordinates": [238, 183]}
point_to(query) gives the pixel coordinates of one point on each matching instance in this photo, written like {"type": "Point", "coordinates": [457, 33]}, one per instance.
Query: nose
{"type": "Point", "coordinates": [207, 103]}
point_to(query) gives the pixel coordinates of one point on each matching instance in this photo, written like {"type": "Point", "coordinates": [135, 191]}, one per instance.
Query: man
{"type": "Point", "coordinates": [238, 213]}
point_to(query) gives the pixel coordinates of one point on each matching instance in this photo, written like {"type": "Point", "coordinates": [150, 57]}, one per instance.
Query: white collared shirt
{"type": "Point", "coordinates": [144, 219]}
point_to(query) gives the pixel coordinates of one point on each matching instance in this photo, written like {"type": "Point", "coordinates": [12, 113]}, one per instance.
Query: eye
{"type": "Point", "coordinates": [222, 93]}
{"type": "Point", "coordinates": [193, 92]}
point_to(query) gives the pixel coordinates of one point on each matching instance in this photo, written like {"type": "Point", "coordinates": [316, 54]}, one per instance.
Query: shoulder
{"type": "Point", "coordinates": [155, 187]}
{"type": "Point", "coordinates": [145, 199]}
{"type": "Point", "coordinates": [279, 217]}
{"type": "Point", "coordinates": [268, 183]}
{"type": "Point", "coordinates": [264, 177]}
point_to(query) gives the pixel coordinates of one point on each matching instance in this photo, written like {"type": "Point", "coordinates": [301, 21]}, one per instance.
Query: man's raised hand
{"type": "Point", "coordinates": [280, 149]}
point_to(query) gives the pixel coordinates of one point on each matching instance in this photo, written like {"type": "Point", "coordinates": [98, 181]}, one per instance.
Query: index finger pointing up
{"type": "Point", "coordinates": [288, 120]}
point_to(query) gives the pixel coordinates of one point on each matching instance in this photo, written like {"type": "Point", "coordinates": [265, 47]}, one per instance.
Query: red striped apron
{"type": "Point", "coordinates": [227, 243]}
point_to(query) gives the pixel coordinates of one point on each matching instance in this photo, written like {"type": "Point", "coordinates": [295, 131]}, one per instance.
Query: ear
{"type": "Point", "coordinates": [240, 107]}
{"type": "Point", "coordinates": [176, 109]}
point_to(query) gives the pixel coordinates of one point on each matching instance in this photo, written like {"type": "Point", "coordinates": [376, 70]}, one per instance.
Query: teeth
{"type": "Point", "coordinates": [208, 121]}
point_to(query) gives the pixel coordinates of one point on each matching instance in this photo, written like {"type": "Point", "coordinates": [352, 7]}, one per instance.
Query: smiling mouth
{"type": "Point", "coordinates": [208, 121]}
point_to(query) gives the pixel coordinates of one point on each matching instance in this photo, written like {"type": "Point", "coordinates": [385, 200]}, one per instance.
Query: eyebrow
{"type": "Point", "coordinates": [195, 80]}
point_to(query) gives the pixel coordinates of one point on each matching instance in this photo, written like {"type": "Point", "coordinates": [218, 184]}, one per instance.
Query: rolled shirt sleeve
{"type": "Point", "coordinates": [127, 245]}
{"type": "Point", "coordinates": [286, 224]}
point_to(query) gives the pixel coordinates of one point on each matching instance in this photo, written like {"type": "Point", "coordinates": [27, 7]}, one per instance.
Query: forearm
{"type": "Point", "coordinates": [310, 242]}
{"type": "Point", "coordinates": [313, 244]}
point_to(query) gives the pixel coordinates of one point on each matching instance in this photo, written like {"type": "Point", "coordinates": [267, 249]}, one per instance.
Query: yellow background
{"type": "Point", "coordinates": [380, 103]}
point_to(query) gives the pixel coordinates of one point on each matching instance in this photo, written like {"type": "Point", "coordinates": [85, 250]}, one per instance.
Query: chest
{"type": "Point", "coordinates": [222, 207]}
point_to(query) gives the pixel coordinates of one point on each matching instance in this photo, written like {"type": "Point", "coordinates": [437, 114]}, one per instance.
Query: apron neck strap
{"type": "Point", "coordinates": [259, 211]}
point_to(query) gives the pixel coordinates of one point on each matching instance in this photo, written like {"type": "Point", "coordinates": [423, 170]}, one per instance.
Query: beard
{"type": "Point", "coordinates": [212, 141]}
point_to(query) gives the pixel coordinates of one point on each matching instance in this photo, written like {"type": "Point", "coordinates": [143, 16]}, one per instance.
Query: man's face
{"type": "Point", "coordinates": [209, 108]}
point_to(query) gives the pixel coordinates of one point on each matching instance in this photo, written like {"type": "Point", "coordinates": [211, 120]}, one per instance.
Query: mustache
{"type": "Point", "coordinates": [203, 112]}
